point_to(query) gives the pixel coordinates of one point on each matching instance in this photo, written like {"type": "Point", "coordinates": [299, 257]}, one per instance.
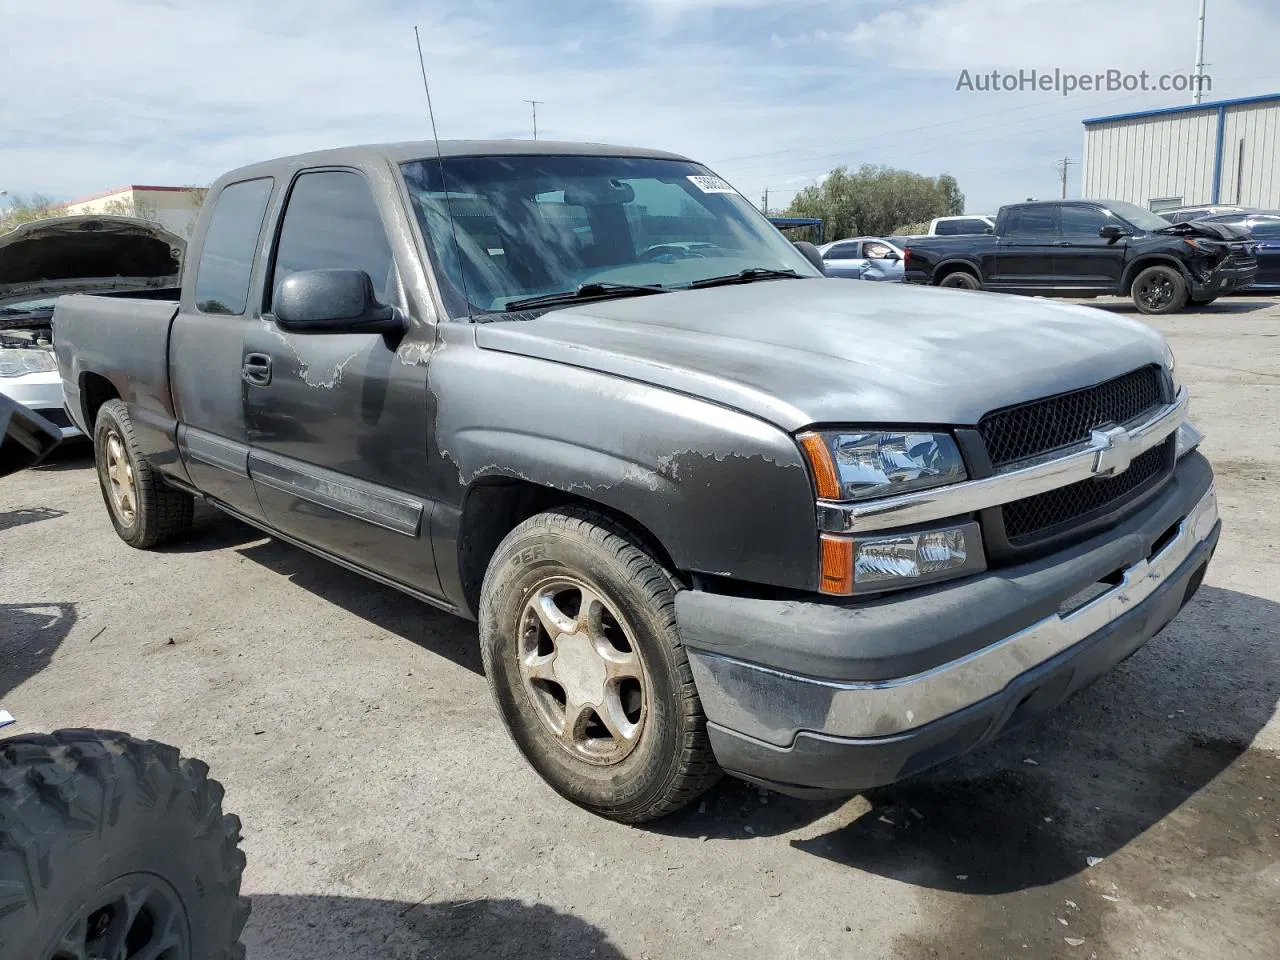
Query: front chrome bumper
{"type": "Point", "coordinates": [772, 706]}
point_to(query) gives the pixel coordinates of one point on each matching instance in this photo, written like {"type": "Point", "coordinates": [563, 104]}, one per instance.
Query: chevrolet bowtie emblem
{"type": "Point", "coordinates": [1115, 451]}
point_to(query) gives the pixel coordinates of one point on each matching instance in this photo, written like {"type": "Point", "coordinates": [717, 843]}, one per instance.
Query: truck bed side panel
{"type": "Point", "coordinates": [126, 342]}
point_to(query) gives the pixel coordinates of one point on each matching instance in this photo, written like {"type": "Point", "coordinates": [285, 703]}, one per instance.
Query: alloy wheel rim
{"type": "Point", "coordinates": [135, 917]}
{"type": "Point", "coordinates": [583, 671]}
{"type": "Point", "coordinates": [1157, 293]}
{"type": "Point", "coordinates": [120, 478]}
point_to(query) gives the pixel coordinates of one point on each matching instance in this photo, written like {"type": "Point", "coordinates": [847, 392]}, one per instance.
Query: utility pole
{"type": "Point", "coordinates": [1199, 55]}
{"type": "Point", "coordinates": [534, 104]}
{"type": "Point", "coordinates": [764, 202]}
{"type": "Point", "coordinates": [1062, 166]}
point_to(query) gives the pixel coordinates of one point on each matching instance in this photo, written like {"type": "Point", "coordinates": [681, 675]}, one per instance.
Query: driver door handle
{"type": "Point", "coordinates": [256, 369]}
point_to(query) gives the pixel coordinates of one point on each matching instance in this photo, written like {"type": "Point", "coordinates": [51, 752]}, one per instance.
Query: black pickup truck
{"type": "Point", "coordinates": [711, 509]}
{"type": "Point", "coordinates": [1090, 248]}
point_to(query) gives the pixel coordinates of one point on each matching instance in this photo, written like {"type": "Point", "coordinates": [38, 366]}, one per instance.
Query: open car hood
{"type": "Point", "coordinates": [87, 254]}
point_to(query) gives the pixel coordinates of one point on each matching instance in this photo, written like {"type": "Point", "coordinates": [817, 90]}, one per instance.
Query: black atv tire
{"type": "Point", "coordinates": [157, 513]}
{"type": "Point", "coordinates": [112, 846]}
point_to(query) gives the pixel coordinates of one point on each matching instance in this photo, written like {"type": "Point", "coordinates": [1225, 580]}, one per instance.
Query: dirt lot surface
{"type": "Point", "coordinates": [388, 816]}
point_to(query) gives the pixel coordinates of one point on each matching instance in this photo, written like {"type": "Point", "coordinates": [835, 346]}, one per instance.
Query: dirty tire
{"type": "Point", "coordinates": [87, 813]}
{"type": "Point", "coordinates": [1159, 290]}
{"type": "Point", "coordinates": [162, 513]}
{"type": "Point", "coordinates": [671, 762]}
{"type": "Point", "coordinates": [960, 280]}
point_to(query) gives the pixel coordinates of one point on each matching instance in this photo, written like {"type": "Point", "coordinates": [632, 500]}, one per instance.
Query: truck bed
{"type": "Point", "coordinates": [124, 341]}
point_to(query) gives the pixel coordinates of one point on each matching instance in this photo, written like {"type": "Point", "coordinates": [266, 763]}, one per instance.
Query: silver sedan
{"type": "Point", "coordinates": [863, 258]}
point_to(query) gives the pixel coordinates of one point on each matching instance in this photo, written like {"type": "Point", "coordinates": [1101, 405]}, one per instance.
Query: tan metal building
{"type": "Point", "coordinates": [1227, 151]}
{"type": "Point", "coordinates": [173, 207]}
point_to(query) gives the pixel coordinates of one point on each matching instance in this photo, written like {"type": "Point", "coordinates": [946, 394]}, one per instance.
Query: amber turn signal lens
{"type": "Point", "coordinates": [837, 565]}
{"type": "Point", "coordinates": [823, 467]}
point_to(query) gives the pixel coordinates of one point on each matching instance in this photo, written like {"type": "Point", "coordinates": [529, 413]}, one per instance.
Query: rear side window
{"type": "Point", "coordinates": [332, 222]}
{"type": "Point", "coordinates": [843, 251]}
{"type": "Point", "coordinates": [1032, 222]}
{"type": "Point", "coordinates": [957, 228]}
{"type": "Point", "coordinates": [226, 259]}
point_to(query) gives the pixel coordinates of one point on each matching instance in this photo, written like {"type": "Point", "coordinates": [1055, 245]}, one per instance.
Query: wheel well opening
{"type": "Point", "coordinates": [948, 269]}
{"type": "Point", "coordinates": [494, 507]}
{"type": "Point", "coordinates": [95, 390]}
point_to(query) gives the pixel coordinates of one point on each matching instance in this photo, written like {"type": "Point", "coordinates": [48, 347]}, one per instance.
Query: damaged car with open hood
{"type": "Point", "coordinates": [45, 259]}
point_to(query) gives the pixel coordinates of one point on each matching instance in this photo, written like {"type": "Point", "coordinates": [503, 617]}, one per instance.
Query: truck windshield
{"type": "Point", "coordinates": [532, 226]}
{"type": "Point", "coordinates": [1140, 217]}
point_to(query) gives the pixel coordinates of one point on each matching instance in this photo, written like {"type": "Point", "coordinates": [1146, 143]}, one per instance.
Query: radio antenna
{"type": "Point", "coordinates": [444, 183]}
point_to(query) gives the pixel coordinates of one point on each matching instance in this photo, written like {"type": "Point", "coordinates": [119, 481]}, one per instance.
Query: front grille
{"type": "Point", "coordinates": [1034, 517]}
{"type": "Point", "coordinates": [1241, 260]}
{"type": "Point", "coordinates": [1030, 429]}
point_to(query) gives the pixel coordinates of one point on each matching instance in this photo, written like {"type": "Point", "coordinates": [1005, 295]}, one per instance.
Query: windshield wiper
{"type": "Point", "coordinates": [743, 276]}
{"type": "Point", "coordinates": [585, 291]}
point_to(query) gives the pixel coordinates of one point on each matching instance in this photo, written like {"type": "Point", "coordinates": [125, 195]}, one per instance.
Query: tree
{"type": "Point", "coordinates": [131, 207]}
{"type": "Point", "coordinates": [23, 209]}
{"type": "Point", "coordinates": [875, 200]}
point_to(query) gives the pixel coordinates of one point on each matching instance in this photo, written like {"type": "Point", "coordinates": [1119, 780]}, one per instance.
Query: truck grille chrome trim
{"type": "Point", "coordinates": [1081, 463]}
{"type": "Point", "coordinates": [888, 707]}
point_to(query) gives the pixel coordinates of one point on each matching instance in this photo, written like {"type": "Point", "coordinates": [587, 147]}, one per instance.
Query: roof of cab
{"type": "Point", "coordinates": [427, 149]}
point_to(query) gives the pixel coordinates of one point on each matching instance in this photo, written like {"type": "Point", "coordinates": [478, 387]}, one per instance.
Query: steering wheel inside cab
{"type": "Point", "coordinates": [670, 253]}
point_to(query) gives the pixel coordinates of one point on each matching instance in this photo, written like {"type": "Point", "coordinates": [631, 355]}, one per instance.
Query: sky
{"type": "Point", "coordinates": [771, 94]}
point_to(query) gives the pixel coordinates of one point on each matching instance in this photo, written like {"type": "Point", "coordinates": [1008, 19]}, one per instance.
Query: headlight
{"type": "Point", "coordinates": [19, 362]}
{"type": "Point", "coordinates": [873, 564]}
{"type": "Point", "coordinates": [852, 465]}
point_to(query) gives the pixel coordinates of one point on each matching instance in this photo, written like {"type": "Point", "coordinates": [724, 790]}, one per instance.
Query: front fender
{"type": "Point", "coordinates": [723, 492]}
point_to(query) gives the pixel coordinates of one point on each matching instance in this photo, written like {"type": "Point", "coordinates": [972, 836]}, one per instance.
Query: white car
{"type": "Point", "coordinates": [41, 261]}
{"type": "Point", "coordinates": [28, 369]}
{"type": "Point", "coordinates": [963, 226]}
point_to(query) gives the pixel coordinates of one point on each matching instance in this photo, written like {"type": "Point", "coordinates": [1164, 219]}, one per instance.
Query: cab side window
{"type": "Point", "coordinates": [331, 221]}
{"type": "Point", "coordinates": [230, 242]}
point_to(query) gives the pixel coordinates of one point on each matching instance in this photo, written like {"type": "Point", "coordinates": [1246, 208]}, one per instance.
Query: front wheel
{"type": "Point", "coordinates": [579, 639]}
{"type": "Point", "coordinates": [115, 847]}
{"type": "Point", "coordinates": [1159, 290]}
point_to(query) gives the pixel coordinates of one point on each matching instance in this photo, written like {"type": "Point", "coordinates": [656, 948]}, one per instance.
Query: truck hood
{"type": "Point", "coordinates": [801, 352]}
{"type": "Point", "coordinates": [87, 254]}
{"type": "Point", "coordinates": [1207, 229]}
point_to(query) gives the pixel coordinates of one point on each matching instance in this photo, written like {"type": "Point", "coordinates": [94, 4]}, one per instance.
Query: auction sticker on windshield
{"type": "Point", "coordinates": [711, 185]}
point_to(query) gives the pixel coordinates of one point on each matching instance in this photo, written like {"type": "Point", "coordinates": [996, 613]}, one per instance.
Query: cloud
{"type": "Point", "coordinates": [772, 92]}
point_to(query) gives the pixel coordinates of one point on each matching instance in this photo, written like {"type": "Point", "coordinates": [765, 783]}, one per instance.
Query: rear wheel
{"type": "Point", "coordinates": [116, 848]}
{"type": "Point", "coordinates": [578, 634]}
{"type": "Point", "coordinates": [1159, 290]}
{"type": "Point", "coordinates": [960, 280]}
{"type": "Point", "coordinates": [145, 510]}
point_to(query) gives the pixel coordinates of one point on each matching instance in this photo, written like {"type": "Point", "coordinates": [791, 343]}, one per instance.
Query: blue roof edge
{"type": "Point", "coordinates": [1185, 108]}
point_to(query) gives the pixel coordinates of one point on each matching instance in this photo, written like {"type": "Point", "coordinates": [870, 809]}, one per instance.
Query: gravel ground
{"type": "Point", "coordinates": [387, 815]}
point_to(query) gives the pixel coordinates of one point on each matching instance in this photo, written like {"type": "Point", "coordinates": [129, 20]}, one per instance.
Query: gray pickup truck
{"type": "Point", "coordinates": [712, 510]}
